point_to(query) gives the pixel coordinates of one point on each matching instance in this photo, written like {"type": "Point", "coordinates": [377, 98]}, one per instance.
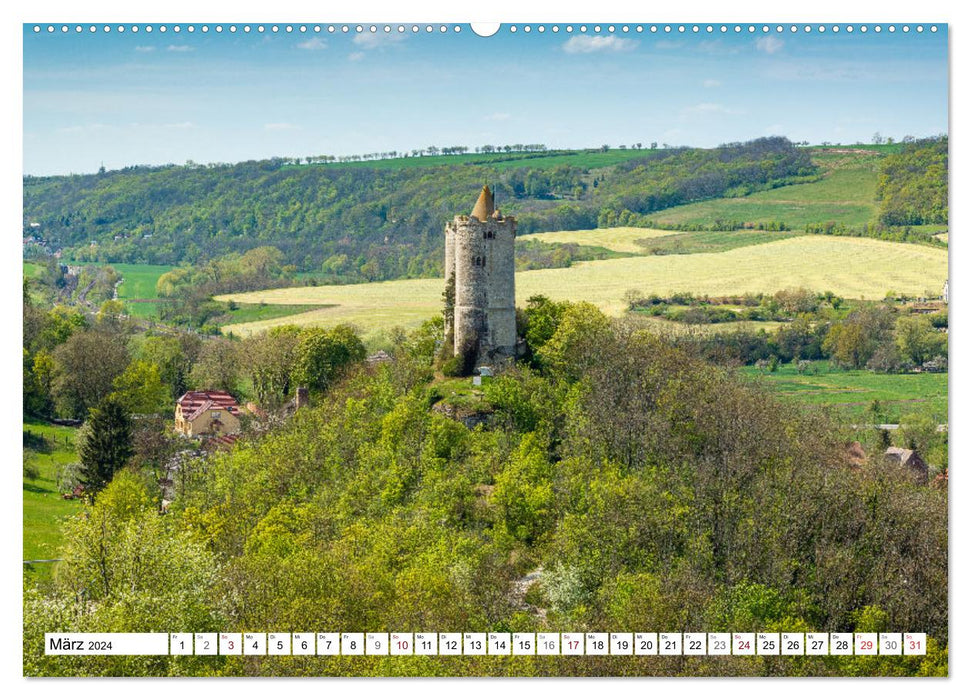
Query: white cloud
{"type": "Point", "coordinates": [280, 126]}
{"type": "Point", "coordinates": [144, 49]}
{"type": "Point", "coordinates": [591, 44]}
{"type": "Point", "coordinates": [81, 128]}
{"type": "Point", "coordinates": [707, 108]}
{"type": "Point", "coordinates": [312, 44]}
{"type": "Point", "coordinates": [769, 44]}
{"type": "Point", "coordinates": [497, 117]}
{"type": "Point", "coordinates": [711, 83]}
{"type": "Point", "coordinates": [356, 56]}
{"type": "Point", "coordinates": [715, 47]}
{"type": "Point", "coordinates": [181, 48]}
{"type": "Point", "coordinates": [374, 40]}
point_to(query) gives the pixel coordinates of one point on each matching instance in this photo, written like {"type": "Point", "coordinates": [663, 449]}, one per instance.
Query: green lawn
{"type": "Point", "coordinates": [852, 392]}
{"type": "Point", "coordinates": [44, 508]}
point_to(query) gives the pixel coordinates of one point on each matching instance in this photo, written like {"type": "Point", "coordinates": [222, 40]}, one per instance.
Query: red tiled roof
{"type": "Point", "coordinates": [193, 403]}
{"type": "Point", "coordinates": [221, 441]}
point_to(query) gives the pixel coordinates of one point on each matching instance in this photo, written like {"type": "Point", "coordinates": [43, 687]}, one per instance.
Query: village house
{"type": "Point", "coordinates": [910, 459]}
{"type": "Point", "coordinates": [207, 413]}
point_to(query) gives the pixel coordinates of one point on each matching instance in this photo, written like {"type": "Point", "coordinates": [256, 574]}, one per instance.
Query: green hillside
{"type": "Point", "coordinates": [381, 219]}
{"type": "Point", "coordinates": [845, 194]}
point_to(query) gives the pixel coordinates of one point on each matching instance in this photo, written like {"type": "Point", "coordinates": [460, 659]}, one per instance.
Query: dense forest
{"type": "Point", "coordinates": [912, 188]}
{"type": "Point", "coordinates": [697, 502]}
{"type": "Point", "coordinates": [339, 218]}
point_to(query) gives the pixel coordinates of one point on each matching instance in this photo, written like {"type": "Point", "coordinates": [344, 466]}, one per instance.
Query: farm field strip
{"type": "Point", "coordinates": [622, 239]}
{"type": "Point", "coordinates": [851, 267]}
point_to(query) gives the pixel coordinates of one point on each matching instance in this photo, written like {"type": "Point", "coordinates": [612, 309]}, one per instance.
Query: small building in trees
{"type": "Point", "coordinates": [910, 459]}
{"type": "Point", "coordinates": [209, 413]}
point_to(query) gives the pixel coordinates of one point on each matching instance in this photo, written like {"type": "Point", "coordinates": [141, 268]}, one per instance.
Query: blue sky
{"type": "Point", "coordinates": [135, 98]}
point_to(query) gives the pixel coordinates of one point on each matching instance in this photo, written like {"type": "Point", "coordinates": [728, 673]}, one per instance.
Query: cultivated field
{"type": "Point", "coordinates": [622, 239]}
{"type": "Point", "coordinates": [851, 267]}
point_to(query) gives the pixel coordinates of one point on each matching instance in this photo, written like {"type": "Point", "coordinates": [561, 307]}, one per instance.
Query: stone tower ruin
{"type": "Point", "coordinates": [480, 252]}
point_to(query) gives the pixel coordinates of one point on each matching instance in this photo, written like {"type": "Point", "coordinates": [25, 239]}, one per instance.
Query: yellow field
{"type": "Point", "coordinates": [622, 238]}
{"type": "Point", "coordinates": [851, 267]}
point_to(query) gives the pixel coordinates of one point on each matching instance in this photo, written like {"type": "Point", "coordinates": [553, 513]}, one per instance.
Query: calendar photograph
{"type": "Point", "coordinates": [512, 350]}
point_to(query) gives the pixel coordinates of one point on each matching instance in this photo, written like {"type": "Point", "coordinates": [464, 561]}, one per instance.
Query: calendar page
{"type": "Point", "coordinates": [525, 349]}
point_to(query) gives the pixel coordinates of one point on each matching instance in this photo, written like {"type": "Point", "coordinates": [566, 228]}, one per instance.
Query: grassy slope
{"type": "Point", "coordinates": [851, 267]}
{"type": "Point", "coordinates": [852, 392]}
{"type": "Point", "coordinates": [845, 194]}
{"type": "Point", "coordinates": [44, 509]}
{"type": "Point", "coordinates": [248, 313]}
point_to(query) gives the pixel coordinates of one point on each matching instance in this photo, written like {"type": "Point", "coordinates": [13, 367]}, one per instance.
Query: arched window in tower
{"type": "Point", "coordinates": [490, 234]}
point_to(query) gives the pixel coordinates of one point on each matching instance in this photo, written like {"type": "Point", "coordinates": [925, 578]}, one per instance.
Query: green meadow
{"type": "Point", "coordinates": [138, 285]}
{"type": "Point", "coordinates": [852, 392]}
{"type": "Point", "coordinates": [44, 507]}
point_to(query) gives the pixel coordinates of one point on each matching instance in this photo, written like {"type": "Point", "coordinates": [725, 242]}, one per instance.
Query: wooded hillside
{"type": "Point", "coordinates": [343, 216]}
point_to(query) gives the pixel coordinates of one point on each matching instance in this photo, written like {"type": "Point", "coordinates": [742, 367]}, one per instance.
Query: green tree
{"type": "Point", "coordinates": [140, 388]}
{"type": "Point", "coordinates": [576, 344]}
{"type": "Point", "coordinates": [918, 340]}
{"type": "Point", "coordinates": [322, 355]}
{"type": "Point", "coordinates": [217, 366]}
{"type": "Point", "coordinates": [853, 341]}
{"type": "Point", "coordinates": [173, 355]}
{"type": "Point", "coordinates": [270, 360]}
{"type": "Point", "coordinates": [524, 490]}
{"type": "Point", "coordinates": [108, 445]}
{"type": "Point", "coordinates": [87, 364]}
{"type": "Point", "coordinates": [539, 321]}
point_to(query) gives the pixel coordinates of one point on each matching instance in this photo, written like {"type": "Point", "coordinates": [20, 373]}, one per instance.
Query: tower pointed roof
{"type": "Point", "coordinates": [485, 205]}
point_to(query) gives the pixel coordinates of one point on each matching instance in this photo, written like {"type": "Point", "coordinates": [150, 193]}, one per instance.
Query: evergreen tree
{"type": "Point", "coordinates": [108, 445]}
